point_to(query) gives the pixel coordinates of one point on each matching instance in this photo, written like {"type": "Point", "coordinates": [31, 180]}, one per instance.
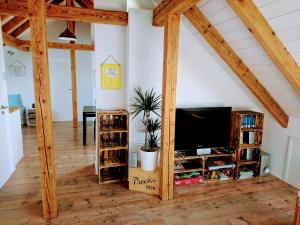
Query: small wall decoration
{"type": "Point", "coordinates": [17, 69]}
{"type": "Point", "coordinates": [110, 74]}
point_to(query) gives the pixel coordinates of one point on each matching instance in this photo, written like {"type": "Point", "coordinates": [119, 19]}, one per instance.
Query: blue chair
{"type": "Point", "coordinates": [15, 101]}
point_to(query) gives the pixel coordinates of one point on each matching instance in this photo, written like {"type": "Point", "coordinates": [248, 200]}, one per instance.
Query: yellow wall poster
{"type": "Point", "coordinates": [111, 76]}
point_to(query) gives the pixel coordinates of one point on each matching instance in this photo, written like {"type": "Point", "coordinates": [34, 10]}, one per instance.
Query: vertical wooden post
{"type": "Point", "coordinates": [74, 88]}
{"type": "Point", "coordinates": [43, 106]}
{"type": "Point", "coordinates": [297, 212]}
{"type": "Point", "coordinates": [71, 27]}
{"type": "Point", "coordinates": [171, 41]}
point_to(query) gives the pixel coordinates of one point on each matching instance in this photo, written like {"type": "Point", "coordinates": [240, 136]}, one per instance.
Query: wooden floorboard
{"type": "Point", "coordinates": [265, 201]}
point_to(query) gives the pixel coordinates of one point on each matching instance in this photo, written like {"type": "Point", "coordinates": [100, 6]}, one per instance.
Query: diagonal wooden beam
{"type": "Point", "coordinates": [167, 7]}
{"type": "Point", "coordinates": [24, 26]}
{"type": "Point", "coordinates": [20, 29]}
{"type": "Point", "coordinates": [214, 38]}
{"type": "Point", "coordinates": [68, 13]}
{"type": "Point", "coordinates": [11, 24]}
{"type": "Point", "coordinates": [13, 42]}
{"type": "Point", "coordinates": [85, 3]}
{"type": "Point", "coordinates": [266, 37]}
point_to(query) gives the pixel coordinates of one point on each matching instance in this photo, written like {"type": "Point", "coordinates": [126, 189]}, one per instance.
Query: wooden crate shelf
{"type": "Point", "coordinates": [246, 140]}
{"type": "Point", "coordinates": [112, 146]}
{"type": "Point", "coordinates": [252, 129]}
{"type": "Point", "coordinates": [205, 162]}
{"type": "Point", "coordinates": [109, 165]}
{"type": "Point", "coordinates": [113, 131]}
{"type": "Point", "coordinates": [188, 170]}
{"type": "Point", "coordinates": [247, 162]}
{"type": "Point", "coordinates": [117, 148]}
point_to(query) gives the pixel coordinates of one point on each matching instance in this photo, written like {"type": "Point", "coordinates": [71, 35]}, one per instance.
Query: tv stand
{"type": "Point", "coordinates": [217, 166]}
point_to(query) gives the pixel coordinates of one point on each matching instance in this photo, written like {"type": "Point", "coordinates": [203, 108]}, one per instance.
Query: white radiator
{"type": "Point", "coordinates": [292, 166]}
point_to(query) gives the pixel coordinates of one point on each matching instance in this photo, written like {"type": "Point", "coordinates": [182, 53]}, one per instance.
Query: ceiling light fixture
{"type": "Point", "coordinates": [67, 35]}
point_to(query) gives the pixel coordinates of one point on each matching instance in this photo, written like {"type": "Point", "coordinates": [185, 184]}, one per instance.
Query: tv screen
{"type": "Point", "coordinates": [202, 128]}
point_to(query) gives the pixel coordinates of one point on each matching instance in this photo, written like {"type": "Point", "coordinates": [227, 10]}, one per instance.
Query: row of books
{"type": "Point", "coordinates": [247, 137]}
{"type": "Point", "coordinates": [214, 164]}
{"type": "Point", "coordinates": [248, 121]}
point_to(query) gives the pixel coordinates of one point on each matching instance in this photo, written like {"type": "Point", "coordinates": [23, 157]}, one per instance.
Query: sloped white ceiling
{"type": "Point", "coordinates": [284, 18]}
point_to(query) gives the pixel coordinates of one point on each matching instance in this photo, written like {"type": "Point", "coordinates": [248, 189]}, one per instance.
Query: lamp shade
{"type": "Point", "coordinates": [67, 35]}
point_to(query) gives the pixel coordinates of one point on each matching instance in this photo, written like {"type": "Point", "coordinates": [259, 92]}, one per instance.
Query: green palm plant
{"type": "Point", "coordinates": [145, 103]}
{"type": "Point", "coordinates": [153, 127]}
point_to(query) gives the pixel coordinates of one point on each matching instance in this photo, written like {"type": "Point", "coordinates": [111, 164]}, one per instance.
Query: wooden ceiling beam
{"type": "Point", "coordinates": [167, 7]}
{"type": "Point", "coordinates": [13, 8]}
{"type": "Point", "coordinates": [68, 13]}
{"type": "Point", "coordinates": [266, 37]}
{"type": "Point", "coordinates": [60, 45]}
{"type": "Point", "coordinates": [87, 15]}
{"type": "Point", "coordinates": [3, 17]}
{"type": "Point", "coordinates": [71, 46]}
{"type": "Point", "coordinates": [217, 42]}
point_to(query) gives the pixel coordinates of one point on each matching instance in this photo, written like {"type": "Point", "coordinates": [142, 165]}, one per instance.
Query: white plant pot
{"type": "Point", "coordinates": [148, 160]}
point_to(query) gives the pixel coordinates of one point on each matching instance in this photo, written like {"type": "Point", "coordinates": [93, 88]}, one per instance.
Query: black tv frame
{"type": "Point", "coordinates": [192, 147]}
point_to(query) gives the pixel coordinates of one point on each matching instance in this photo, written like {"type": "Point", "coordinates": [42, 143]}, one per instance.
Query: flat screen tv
{"type": "Point", "coordinates": [202, 128]}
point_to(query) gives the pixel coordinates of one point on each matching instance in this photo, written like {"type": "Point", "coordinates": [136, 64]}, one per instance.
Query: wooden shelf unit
{"type": "Point", "coordinates": [112, 146]}
{"type": "Point", "coordinates": [246, 140]}
{"type": "Point", "coordinates": [217, 154]}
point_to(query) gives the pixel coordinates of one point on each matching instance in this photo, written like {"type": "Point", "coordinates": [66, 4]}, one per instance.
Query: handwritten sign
{"type": "Point", "coordinates": [144, 181]}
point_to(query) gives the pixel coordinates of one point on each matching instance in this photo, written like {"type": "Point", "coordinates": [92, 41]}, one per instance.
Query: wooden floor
{"type": "Point", "coordinates": [82, 201]}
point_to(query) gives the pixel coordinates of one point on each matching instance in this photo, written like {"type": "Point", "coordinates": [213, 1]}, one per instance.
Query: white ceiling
{"type": "Point", "coordinates": [124, 5]}
{"type": "Point", "coordinates": [284, 18]}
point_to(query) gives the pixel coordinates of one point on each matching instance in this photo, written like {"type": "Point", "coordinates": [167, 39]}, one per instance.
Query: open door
{"type": "Point", "coordinates": [6, 160]}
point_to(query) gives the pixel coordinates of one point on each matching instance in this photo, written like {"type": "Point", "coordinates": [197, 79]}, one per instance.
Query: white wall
{"type": "Point", "coordinates": [6, 156]}
{"type": "Point", "coordinates": [276, 140]}
{"type": "Point", "coordinates": [60, 81]}
{"type": "Point", "coordinates": [110, 40]}
{"type": "Point", "coordinates": [145, 44]}
{"type": "Point", "coordinates": [202, 80]}
{"type": "Point", "coordinates": [59, 73]}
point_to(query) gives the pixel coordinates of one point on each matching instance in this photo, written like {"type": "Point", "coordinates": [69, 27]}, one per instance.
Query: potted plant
{"type": "Point", "coordinates": [148, 103]}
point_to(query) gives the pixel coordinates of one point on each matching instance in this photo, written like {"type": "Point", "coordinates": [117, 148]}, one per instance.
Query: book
{"type": "Point", "coordinates": [219, 164]}
{"type": "Point", "coordinates": [248, 121]}
{"type": "Point", "coordinates": [245, 174]}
